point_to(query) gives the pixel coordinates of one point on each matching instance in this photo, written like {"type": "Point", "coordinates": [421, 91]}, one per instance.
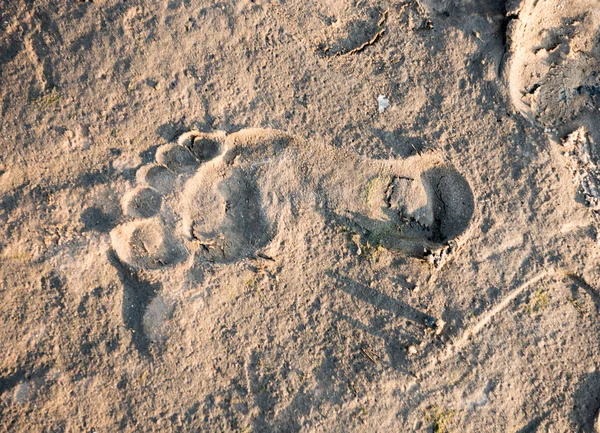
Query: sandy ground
{"type": "Point", "coordinates": [299, 216]}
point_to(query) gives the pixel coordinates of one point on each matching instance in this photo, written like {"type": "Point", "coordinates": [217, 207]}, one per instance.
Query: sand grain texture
{"type": "Point", "coordinates": [207, 223]}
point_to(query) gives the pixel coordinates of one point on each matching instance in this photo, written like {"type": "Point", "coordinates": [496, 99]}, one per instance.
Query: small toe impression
{"type": "Point", "coordinates": [176, 158]}
{"type": "Point", "coordinates": [146, 244]}
{"type": "Point", "coordinates": [156, 176]}
{"type": "Point", "coordinates": [142, 202]}
{"type": "Point", "coordinates": [187, 138]}
{"type": "Point", "coordinates": [206, 148]}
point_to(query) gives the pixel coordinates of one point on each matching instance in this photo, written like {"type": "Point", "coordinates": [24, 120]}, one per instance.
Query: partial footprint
{"type": "Point", "coordinates": [554, 74]}
{"type": "Point", "coordinates": [418, 206]}
{"type": "Point", "coordinates": [200, 196]}
{"type": "Point", "coordinates": [554, 80]}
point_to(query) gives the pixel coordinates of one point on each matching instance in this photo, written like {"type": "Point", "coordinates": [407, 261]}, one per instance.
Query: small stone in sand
{"type": "Point", "coordinates": [383, 103]}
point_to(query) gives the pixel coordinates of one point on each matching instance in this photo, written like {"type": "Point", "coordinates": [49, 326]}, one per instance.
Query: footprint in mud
{"type": "Point", "coordinates": [554, 80]}
{"type": "Point", "coordinates": [418, 206]}
{"type": "Point", "coordinates": [554, 73]}
{"type": "Point", "coordinates": [200, 196]}
{"type": "Point", "coordinates": [221, 198]}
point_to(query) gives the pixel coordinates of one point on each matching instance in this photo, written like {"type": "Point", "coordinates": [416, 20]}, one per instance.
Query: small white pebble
{"type": "Point", "coordinates": [383, 103]}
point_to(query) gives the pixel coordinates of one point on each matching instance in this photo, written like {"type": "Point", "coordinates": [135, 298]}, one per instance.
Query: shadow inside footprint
{"type": "Point", "coordinates": [415, 218]}
{"type": "Point", "coordinates": [252, 145]}
{"type": "Point", "coordinates": [452, 202]}
{"type": "Point", "coordinates": [245, 223]}
{"type": "Point", "coordinates": [206, 149]}
{"type": "Point", "coordinates": [137, 296]}
{"type": "Point", "coordinates": [587, 403]}
{"type": "Point", "coordinates": [228, 219]}
{"type": "Point", "coordinates": [95, 219]}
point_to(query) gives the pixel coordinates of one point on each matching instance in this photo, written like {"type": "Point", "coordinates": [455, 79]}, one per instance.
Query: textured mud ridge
{"type": "Point", "coordinates": [553, 74]}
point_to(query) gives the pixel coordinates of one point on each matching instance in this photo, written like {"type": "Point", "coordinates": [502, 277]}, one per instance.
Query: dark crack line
{"type": "Point", "coordinates": [389, 191]}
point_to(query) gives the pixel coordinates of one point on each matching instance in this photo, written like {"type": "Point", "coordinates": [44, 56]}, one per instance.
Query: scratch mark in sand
{"type": "Point", "coordinates": [485, 319]}
{"type": "Point", "coordinates": [466, 338]}
{"type": "Point", "coordinates": [373, 39]}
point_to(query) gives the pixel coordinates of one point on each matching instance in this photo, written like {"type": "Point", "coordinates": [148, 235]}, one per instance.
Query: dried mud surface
{"type": "Point", "coordinates": [295, 216]}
